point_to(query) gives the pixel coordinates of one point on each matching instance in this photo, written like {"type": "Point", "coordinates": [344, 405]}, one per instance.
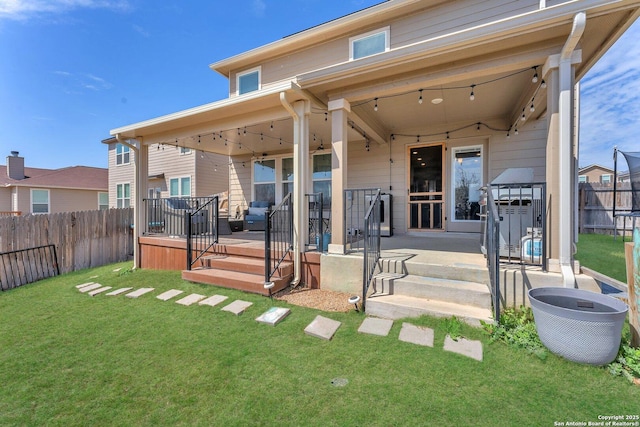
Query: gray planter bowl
{"type": "Point", "coordinates": [581, 326]}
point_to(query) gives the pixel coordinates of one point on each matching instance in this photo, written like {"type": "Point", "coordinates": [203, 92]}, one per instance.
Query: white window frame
{"type": "Point", "coordinates": [120, 155]}
{"type": "Point", "coordinates": [583, 178]}
{"type": "Point", "coordinates": [609, 179]}
{"type": "Point", "coordinates": [246, 73]}
{"type": "Point", "coordinates": [48, 201]}
{"type": "Point", "coordinates": [452, 189]}
{"type": "Point", "coordinates": [121, 201]}
{"type": "Point", "coordinates": [102, 206]}
{"type": "Point", "coordinates": [180, 179]}
{"type": "Point", "coordinates": [353, 40]}
{"type": "Point", "coordinates": [281, 178]}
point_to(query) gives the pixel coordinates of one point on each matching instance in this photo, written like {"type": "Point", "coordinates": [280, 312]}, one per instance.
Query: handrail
{"type": "Point", "coordinates": [319, 222]}
{"type": "Point", "coordinates": [278, 238]}
{"type": "Point", "coordinates": [204, 218]}
{"type": "Point", "coordinates": [492, 243]}
{"type": "Point", "coordinates": [371, 245]}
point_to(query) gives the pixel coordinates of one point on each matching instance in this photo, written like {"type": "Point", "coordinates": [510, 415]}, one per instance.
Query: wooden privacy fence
{"type": "Point", "coordinates": [82, 239]}
{"type": "Point", "coordinates": [595, 203]}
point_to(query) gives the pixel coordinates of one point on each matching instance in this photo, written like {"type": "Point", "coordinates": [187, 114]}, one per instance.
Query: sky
{"type": "Point", "coordinates": [72, 70]}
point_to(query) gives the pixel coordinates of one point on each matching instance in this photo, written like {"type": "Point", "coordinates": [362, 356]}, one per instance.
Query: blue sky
{"type": "Point", "coordinates": [71, 70]}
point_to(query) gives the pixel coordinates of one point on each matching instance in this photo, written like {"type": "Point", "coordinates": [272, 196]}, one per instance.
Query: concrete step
{"type": "Point", "coordinates": [453, 271]}
{"type": "Point", "coordinates": [247, 282]}
{"type": "Point", "coordinates": [457, 291]}
{"type": "Point", "coordinates": [244, 264]}
{"type": "Point", "coordinates": [400, 306]}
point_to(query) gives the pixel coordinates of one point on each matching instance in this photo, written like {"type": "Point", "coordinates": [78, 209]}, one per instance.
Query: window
{"type": "Point", "coordinates": [467, 180]}
{"type": "Point", "coordinates": [264, 179]}
{"type": "Point", "coordinates": [122, 154]}
{"type": "Point", "coordinates": [322, 177]}
{"type": "Point", "coordinates": [103, 201]}
{"type": "Point", "coordinates": [40, 201]}
{"type": "Point", "coordinates": [369, 44]}
{"type": "Point", "coordinates": [180, 187]}
{"type": "Point", "coordinates": [605, 178]}
{"type": "Point", "coordinates": [583, 178]}
{"type": "Point", "coordinates": [185, 150]}
{"type": "Point", "coordinates": [287, 176]}
{"type": "Point", "coordinates": [123, 195]}
{"type": "Point", "coordinates": [248, 81]}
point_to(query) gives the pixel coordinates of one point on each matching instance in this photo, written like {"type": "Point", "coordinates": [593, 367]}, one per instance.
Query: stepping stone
{"type": "Point", "coordinates": [83, 285]}
{"type": "Point", "coordinates": [376, 326]}
{"type": "Point", "coordinates": [93, 277]}
{"type": "Point", "coordinates": [139, 292]}
{"type": "Point", "coordinates": [99, 291]}
{"type": "Point", "coordinates": [119, 291]}
{"type": "Point", "coordinates": [166, 296]}
{"type": "Point", "coordinates": [237, 307]}
{"type": "Point", "coordinates": [213, 301]}
{"type": "Point", "coordinates": [190, 299]}
{"type": "Point", "coordinates": [416, 335]}
{"type": "Point", "coordinates": [465, 347]}
{"type": "Point", "coordinates": [273, 316]}
{"type": "Point", "coordinates": [322, 327]}
{"type": "Point", "coordinates": [115, 270]}
{"type": "Point", "coordinates": [90, 287]}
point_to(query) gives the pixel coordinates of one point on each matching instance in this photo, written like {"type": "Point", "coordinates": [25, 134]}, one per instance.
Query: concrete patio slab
{"type": "Point", "coordinates": [237, 307]}
{"type": "Point", "coordinates": [416, 335]}
{"type": "Point", "coordinates": [139, 292]}
{"type": "Point", "coordinates": [118, 291]}
{"type": "Point", "coordinates": [322, 327]}
{"type": "Point", "coordinates": [83, 285]}
{"type": "Point", "coordinates": [90, 287]}
{"type": "Point", "coordinates": [99, 291]}
{"type": "Point", "coordinates": [166, 296]}
{"type": "Point", "coordinates": [213, 301]}
{"type": "Point", "coordinates": [465, 347]}
{"type": "Point", "coordinates": [191, 299]}
{"type": "Point", "coordinates": [273, 316]}
{"type": "Point", "coordinates": [376, 326]}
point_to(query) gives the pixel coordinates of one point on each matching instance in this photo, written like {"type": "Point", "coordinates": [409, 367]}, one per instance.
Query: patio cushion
{"type": "Point", "coordinates": [257, 211]}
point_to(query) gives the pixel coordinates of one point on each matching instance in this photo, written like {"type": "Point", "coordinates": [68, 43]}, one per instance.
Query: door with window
{"type": "Point", "coordinates": [425, 187]}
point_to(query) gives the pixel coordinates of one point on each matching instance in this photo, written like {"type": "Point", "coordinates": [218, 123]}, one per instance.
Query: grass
{"type": "Point", "coordinates": [67, 359]}
{"type": "Point", "coordinates": [601, 253]}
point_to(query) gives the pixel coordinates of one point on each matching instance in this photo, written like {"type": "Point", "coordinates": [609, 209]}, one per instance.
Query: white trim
{"type": "Point", "coordinates": [277, 164]}
{"type": "Point", "coordinates": [123, 198]}
{"type": "Point", "coordinates": [48, 201]}
{"type": "Point", "coordinates": [387, 36]}
{"type": "Point", "coordinates": [126, 150]}
{"type": "Point", "coordinates": [99, 204]}
{"type": "Point", "coordinates": [257, 69]}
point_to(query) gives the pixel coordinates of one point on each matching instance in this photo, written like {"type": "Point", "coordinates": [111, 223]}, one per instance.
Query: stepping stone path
{"type": "Point", "coordinates": [99, 291]}
{"type": "Point", "coordinates": [376, 326]}
{"type": "Point", "coordinates": [237, 307]}
{"type": "Point", "coordinates": [90, 287]}
{"type": "Point", "coordinates": [322, 327]}
{"type": "Point", "coordinates": [166, 296]}
{"type": "Point", "coordinates": [213, 301]}
{"type": "Point", "coordinates": [465, 347]}
{"type": "Point", "coordinates": [273, 316]}
{"type": "Point", "coordinates": [84, 284]}
{"type": "Point", "coordinates": [416, 335]}
{"type": "Point", "coordinates": [139, 292]}
{"type": "Point", "coordinates": [119, 291]}
{"type": "Point", "coordinates": [191, 299]}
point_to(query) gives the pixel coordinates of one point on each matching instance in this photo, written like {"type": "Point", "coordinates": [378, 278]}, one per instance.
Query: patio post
{"type": "Point", "coordinates": [339, 109]}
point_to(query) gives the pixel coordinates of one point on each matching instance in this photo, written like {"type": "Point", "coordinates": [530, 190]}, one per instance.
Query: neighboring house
{"type": "Point", "coordinates": [42, 191]}
{"type": "Point", "coordinates": [173, 171]}
{"type": "Point", "coordinates": [426, 99]}
{"type": "Point", "coordinates": [595, 174]}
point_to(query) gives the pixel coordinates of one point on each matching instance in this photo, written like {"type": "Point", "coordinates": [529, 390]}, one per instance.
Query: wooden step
{"type": "Point", "coordinates": [247, 282]}
{"type": "Point", "coordinates": [244, 264]}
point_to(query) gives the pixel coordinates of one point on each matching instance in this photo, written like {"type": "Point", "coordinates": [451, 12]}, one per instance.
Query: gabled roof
{"type": "Point", "coordinates": [586, 169]}
{"type": "Point", "coordinates": [73, 177]}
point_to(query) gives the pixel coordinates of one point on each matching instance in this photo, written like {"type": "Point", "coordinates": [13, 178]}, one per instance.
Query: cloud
{"type": "Point", "coordinates": [25, 9]}
{"type": "Point", "coordinates": [138, 29]}
{"type": "Point", "coordinates": [71, 82]}
{"type": "Point", "coordinates": [258, 7]}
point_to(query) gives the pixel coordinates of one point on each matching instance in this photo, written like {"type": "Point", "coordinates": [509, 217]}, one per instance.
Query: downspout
{"type": "Point", "coordinates": [297, 267]}
{"type": "Point", "coordinates": [566, 80]}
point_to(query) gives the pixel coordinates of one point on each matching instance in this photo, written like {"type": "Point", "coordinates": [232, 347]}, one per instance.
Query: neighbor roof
{"type": "Point", "coordinates": [72, 177]}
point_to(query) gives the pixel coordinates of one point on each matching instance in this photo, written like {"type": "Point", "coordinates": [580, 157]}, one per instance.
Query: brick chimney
{"type": "Point", "coordinates": [15, 166]}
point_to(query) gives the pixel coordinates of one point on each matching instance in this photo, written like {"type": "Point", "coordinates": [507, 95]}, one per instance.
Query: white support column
{"type": "Point", "coordinates": [141, 189]}
{"type": "Point", "coordinates": [300, 172]}
{"type": "Point", "coordinates": [339, 109]}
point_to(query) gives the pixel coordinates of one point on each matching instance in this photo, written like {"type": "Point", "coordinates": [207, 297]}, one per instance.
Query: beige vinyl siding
{"type": "Point", "coordinates": [239, 183]}
{"type": "Point", "coordinates": [68, 200]}
{"type": "Point", "coordinates": [173, 164]}
{"type": "Point", "coordinates": [212, 174]}
{"type": "Point", "coordinates": [430, 23]}
{"type": "Point", "coordinates": [525, 150]}
{"type": "Point", "coordinates": [5, 199]}
{"type": "Point", "coordinates": [119, 174]}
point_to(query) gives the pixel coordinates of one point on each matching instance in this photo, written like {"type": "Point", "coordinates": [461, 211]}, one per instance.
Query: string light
{"type": "Point", "coordinates": [326, 116]}
{"type": "Point", "coordinates": [366, 146]}
{"type": "Point", "coordinates": [271, 128]}
{"type": "Point", "coordinates": [478, 128]}
{"type": "Point", "coordinates": [198, 139]}
{"type": "Point", "coordinates": [321, 147]}
{"type": "Point", "coordinates": [543, 85]}
{"type": "Point", "coordinates": [472, 96]}
{"type": "Point", "coordinates": [420, 98]}
{"type": "Point", "coordinates": [534, 79]}
{"type": "Point", "coordinates": [532, 108]}
{"type": "Point", "coordinates": [375, 107]}
{"type": "Point", "coordinates": [447, 135]}
{"type": "Point", "coordinates": [516, 131]}
{"type": "Point", "coordinates": [523, 117]}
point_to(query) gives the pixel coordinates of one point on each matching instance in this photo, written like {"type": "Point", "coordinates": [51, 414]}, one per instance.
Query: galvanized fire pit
{"type": "Point", "coordinates": [579, 325]}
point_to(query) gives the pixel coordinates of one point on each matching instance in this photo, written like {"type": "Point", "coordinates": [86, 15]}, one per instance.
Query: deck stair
{"type": "Point", "coordinates": [404, 288]}
{"type": "Point", "coordinates": [238, 268]}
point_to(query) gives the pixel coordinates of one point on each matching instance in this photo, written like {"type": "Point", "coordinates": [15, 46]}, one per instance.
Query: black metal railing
{"type": "Point", "coordinates": [523, 232]}
{"type": "Point", "coordinates": [319, 223]}
{"type": "Point", "coordinates": [370, 238]}
{"type": "Point", "coordinates": [278, 237]}
{"type": "Point", "coordinates": [29, 265]}
{"type": "Point", "coordinates": [356, 205]}
{"type": "Point", "coordinates": [166, 216]}
{"type": "Point", "coordinates": [201, 226]}
{"type": "Point", "coordinates": [492, 248]}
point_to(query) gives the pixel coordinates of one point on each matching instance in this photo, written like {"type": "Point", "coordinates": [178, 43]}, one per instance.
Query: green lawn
{"type": "Point", "coordinates": [68, 359]}
{"type": "Point", "coordinates": [601, 253]}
